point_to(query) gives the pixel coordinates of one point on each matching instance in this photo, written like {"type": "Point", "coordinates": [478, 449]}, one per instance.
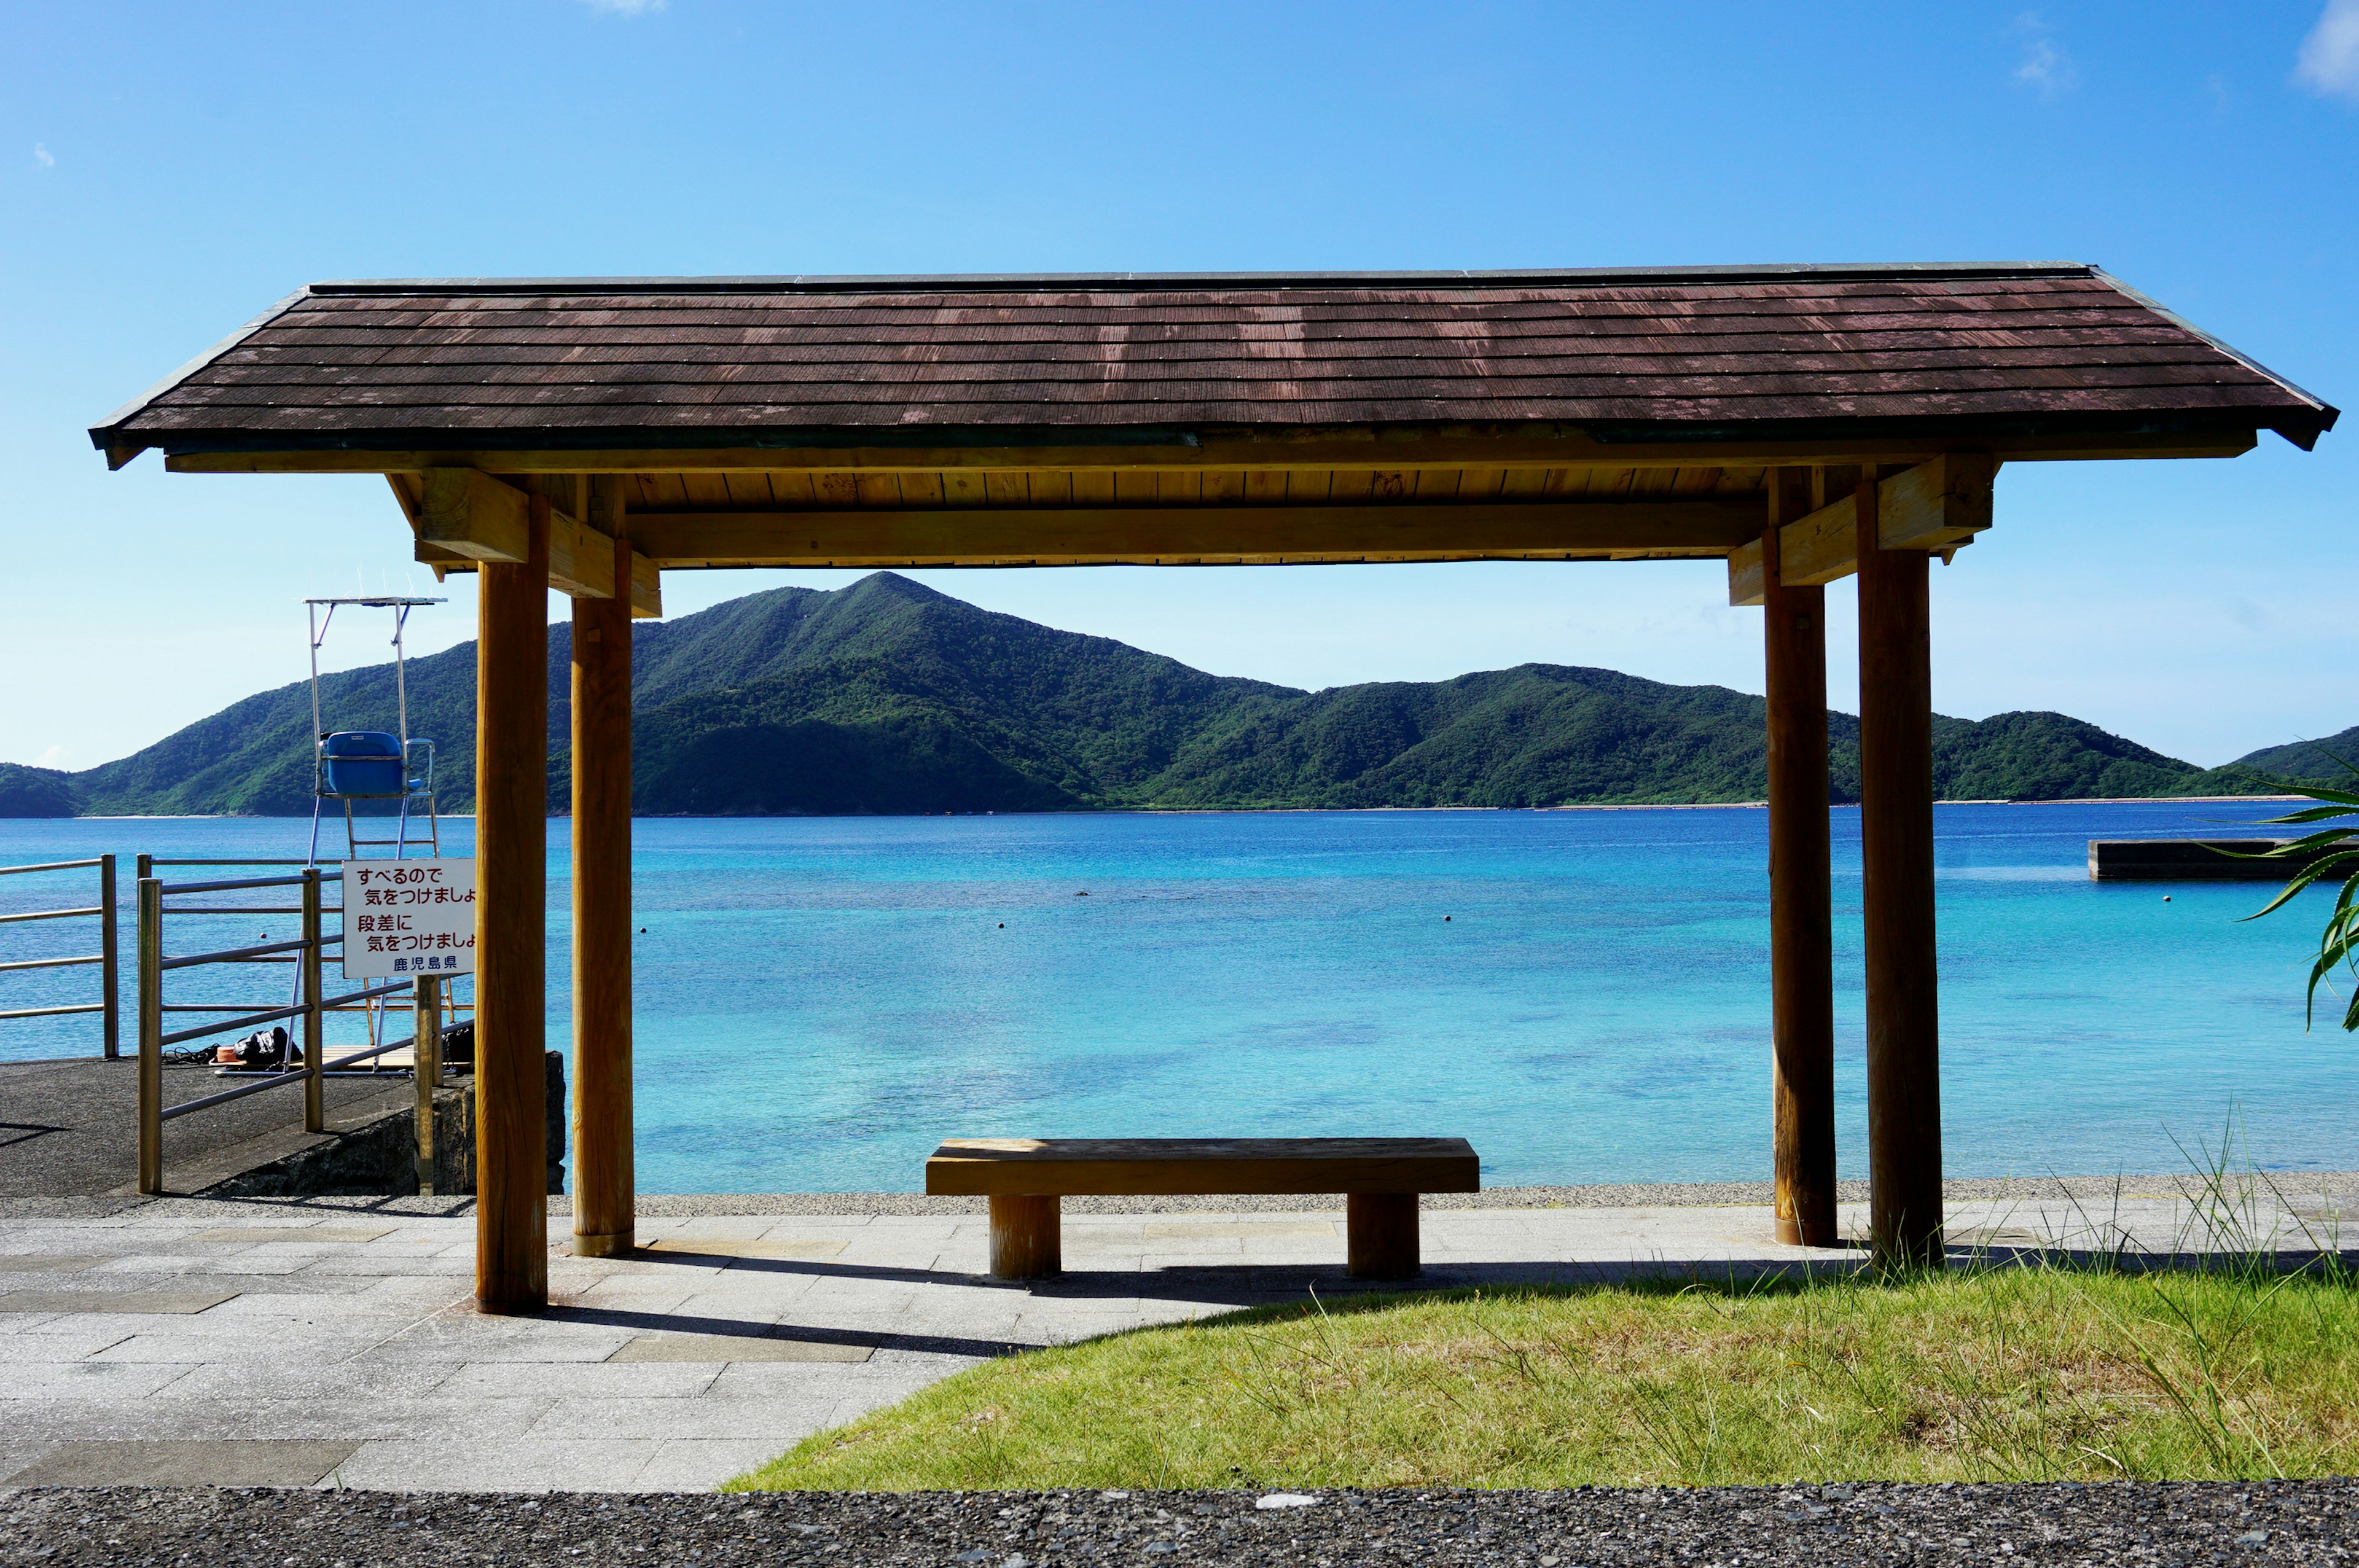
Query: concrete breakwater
{"type": "Point", "coordinates": [2192, 860]}
{"type": "Point", "coordinates": [379, 1156]}
{"type": "Point", "coordinates": [70, 1132]}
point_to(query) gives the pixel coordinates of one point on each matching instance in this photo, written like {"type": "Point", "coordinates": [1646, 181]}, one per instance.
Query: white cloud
{"type": "Point", "coordinates": [42, 156]}
{"type": "Point", "coordinates": [55, 757]}
{"type": "Point", "coordinates": [2045, 68]}
{"type": "Point", "coordinates": [624, 7]}
{"type": "Point", "coordinates": [2328, 62]}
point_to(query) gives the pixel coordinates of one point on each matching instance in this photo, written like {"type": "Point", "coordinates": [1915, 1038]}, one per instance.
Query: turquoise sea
{"type": "Point", "coordinates": [1585, 994]}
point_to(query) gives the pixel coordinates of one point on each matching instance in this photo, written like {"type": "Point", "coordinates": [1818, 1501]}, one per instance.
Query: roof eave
{"type": "Point", "coordinates": [2301, 426]}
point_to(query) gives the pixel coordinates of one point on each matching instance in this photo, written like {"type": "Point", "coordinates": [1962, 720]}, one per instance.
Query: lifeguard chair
{"type": "Point", "coordinates": [349, 765]}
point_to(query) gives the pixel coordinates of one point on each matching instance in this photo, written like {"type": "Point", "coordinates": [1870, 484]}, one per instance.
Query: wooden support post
{"type": "Point", "coordinates": [511, 909]}
{"type": "Point", "coordinates": [1802, 937]}
{"type": "Point", "coordinates": [426, 1070]}
{"type": "Point", "coordinates": [151, 1032]}
{"type": "Point", "coordinates": [112, 1035]}
{"type": "Point", "coordinates": [315, 1084]}
{"type": "Point", "coordinates": [1896, 798]}
{"type": "Point", "coordinates": [603, 1202]}
{"type": "Point", "coordinates": [1380, 1235]}
{"type": "Point", "coordinates": [1025, 1240]}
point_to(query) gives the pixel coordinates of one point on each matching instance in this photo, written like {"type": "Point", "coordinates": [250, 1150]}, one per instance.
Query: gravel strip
{"type": "Point", "coordinates": [2340, 1187]}
{"type": "Point", "coordinates": [2304, 1521]}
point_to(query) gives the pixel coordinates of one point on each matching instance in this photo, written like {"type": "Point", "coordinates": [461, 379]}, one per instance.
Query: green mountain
{"type": "Point", "coordinates": [2307, 761]}
{"type": "Point", "coordinates": [886, 696]}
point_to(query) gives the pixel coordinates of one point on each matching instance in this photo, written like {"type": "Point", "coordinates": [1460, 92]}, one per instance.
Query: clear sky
{"type": "Point", "coordinates": [167, 171]}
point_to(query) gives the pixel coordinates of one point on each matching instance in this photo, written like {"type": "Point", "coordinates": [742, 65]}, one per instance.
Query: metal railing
{"type": "Point", "coordinates": [307, 1000]}
{"type": "Point", "coordinates": [104, 911]}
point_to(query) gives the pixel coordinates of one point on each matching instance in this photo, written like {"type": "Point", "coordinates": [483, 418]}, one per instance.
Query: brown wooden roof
{"type": "Point", "coordinates": [1704, 354]}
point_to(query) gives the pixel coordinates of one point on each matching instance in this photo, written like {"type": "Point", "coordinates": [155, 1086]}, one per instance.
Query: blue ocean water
{"type": "Point", "coordinates": [1583, 994]}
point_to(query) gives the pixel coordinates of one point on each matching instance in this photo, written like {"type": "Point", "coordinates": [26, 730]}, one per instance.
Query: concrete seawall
{"type": "Point", "coordinates": [71, 1133]}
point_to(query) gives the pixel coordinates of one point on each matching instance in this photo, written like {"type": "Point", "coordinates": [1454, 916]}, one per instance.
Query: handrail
{"type": "Point", "coordinates": [310, 1003]}
{"type": "Point", "coordinates": [52, 963]}
{"type": "Point", "coordinates": [51, 915]}
{"type": "Point", "coordinates": [233, 883]}
{"type": "Point", "coordinates": [103, 912]}
{"type": "Point", "coordinates": [228, 955]}
{"type": "Point", "coordinates": [290, 1076]}
{"type": "Point", "coordinates": [300, 1009]}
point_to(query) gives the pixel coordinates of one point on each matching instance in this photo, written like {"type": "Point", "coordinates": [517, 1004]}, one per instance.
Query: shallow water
{"type": "Point", "coordinates": [820, 1001]}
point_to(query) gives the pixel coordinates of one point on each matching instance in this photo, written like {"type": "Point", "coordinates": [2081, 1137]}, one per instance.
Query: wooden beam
{"type": "Point", "coordinates": [511, 900]}
{"type": "Point", "coordinates": [1939, 505]}
{"type": "Point", "coordinates": [580, 560]}
{"type": "Point", "coordinates": [646, 589]}
{"type": "Point", "coordinates": [604, 1196]}
{"type": "Point", "coordinates": [1096, 535]}
{"type": "Point", "coordinates": [469, 515]}
{"type": "Point", "coordinates": [1896, 826]}
{"type": "Point", "coordinates": [462, 517]}
{"type": "Point", "coordinates": [1801, 920]}
{"type": "Point", "coordinates": [1821, 547]}
{"type": "Point", "coordinates": [608, 513]}
{"type": "Point", "coordinates": [1549, 447]}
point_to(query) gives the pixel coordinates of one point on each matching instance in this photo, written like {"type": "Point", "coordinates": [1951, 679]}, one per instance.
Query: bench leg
{"type": "Point", "coordinates": [1023, 1238]}
{"type": "Point", "coordinates": [1381, 1228]}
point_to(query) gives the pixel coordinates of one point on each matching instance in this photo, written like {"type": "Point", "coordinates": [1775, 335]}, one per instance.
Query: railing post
{"type": "Point", "coordinates": [426, 1056]}
{"type": "Point", "coordinates": [107, 965]}
{"type": "Point", "coordinates": [151, 1034]}
{"type": "Point", "coordinates": [315, 1108]}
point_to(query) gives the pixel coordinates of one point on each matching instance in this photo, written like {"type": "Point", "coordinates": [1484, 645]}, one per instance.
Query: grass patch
{"type": "Point", "coordinates": [2002, 1373]}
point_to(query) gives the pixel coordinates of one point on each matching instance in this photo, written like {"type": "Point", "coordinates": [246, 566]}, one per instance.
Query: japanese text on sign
{"type": "Point", "coordinates": [409, 917]}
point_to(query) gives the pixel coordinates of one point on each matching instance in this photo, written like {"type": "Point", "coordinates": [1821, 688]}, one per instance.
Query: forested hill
{"type": "Point", "coordinates": [886, 696]}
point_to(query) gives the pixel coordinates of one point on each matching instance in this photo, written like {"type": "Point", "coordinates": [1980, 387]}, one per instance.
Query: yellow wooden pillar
{"type": "Point", "coordinates": [511, 910]}
{"type": "Point", "coordinates": [1895, 828]}
{"type": "Point", "coordinates": [603, 1198]}
{"type": "Point", "coordinates": [1801, 938]}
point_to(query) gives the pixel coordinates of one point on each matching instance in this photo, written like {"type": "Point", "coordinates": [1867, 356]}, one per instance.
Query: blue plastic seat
{"type": "Point", "coordinates": [363, 762]}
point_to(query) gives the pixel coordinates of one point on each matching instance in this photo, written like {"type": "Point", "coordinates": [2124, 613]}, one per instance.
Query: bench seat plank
{"type": "Point", "coordinates": [1144, 1167]}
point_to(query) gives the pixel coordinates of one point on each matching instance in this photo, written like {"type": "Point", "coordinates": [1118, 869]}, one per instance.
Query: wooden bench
{"type": "Point", "coordinates": [1380, 1178]}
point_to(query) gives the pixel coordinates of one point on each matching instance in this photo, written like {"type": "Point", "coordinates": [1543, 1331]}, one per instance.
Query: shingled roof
{"type": "Point", "coordinates": [1701, 354]}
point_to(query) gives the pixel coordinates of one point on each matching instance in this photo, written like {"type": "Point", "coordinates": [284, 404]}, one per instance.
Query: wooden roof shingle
{"type": "Point", "coordinates": [1663, 355]}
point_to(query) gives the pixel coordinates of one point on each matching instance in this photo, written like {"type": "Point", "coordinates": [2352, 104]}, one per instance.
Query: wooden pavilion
{"type": "Point", "coordinates": [1803, 423]}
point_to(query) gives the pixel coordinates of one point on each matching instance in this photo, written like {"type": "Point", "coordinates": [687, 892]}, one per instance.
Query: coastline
{"type": "Point", "coordinates": [2328, 1193]}
{"type": "Point", "coordinates": [1257, 810]}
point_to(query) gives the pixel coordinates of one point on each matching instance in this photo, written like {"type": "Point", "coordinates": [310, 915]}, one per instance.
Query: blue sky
{"type": "Point", "coordinates": [167, 171]}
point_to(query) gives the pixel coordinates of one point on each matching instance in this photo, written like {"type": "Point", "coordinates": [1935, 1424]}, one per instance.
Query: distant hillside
{"type": "Point", "coordinates": [886, 696]}
{"type": "Point", "coordinates": [2308, 761]}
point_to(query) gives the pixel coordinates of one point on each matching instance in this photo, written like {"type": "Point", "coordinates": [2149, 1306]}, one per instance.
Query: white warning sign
{"type": "Point", "coordinates": [409, 917]}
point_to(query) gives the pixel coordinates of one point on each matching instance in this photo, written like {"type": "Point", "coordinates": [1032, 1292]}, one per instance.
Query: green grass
{"type": "Point", "coordinates": [1986, 1374]}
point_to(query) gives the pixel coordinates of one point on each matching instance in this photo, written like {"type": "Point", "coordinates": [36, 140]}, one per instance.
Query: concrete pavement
{"type": "Point", "coordinates": [314, 1342]}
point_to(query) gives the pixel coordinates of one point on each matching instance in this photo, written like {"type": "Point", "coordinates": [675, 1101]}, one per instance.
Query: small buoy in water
{"type": "Point", "coordinates": [642, 931]}
{"type": "Point", "coordinates": [1445, 917]}
{"type": "Point", "coordinates": [1003, 925]}
{"type": "Point", "coordinates": [2166, 898]}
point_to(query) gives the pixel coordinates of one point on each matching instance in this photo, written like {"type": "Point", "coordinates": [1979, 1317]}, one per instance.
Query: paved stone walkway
{"type": "Point", "coordinates": [302, 1344]}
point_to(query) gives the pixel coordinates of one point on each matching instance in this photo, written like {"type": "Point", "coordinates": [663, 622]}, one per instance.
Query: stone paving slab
{"type": "Point", "coordinates": [175, 1302]}
{"type": "Point", "coordinates": [167, 1463]}
{"type": "Point", "coordinates": [736, 1335]}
